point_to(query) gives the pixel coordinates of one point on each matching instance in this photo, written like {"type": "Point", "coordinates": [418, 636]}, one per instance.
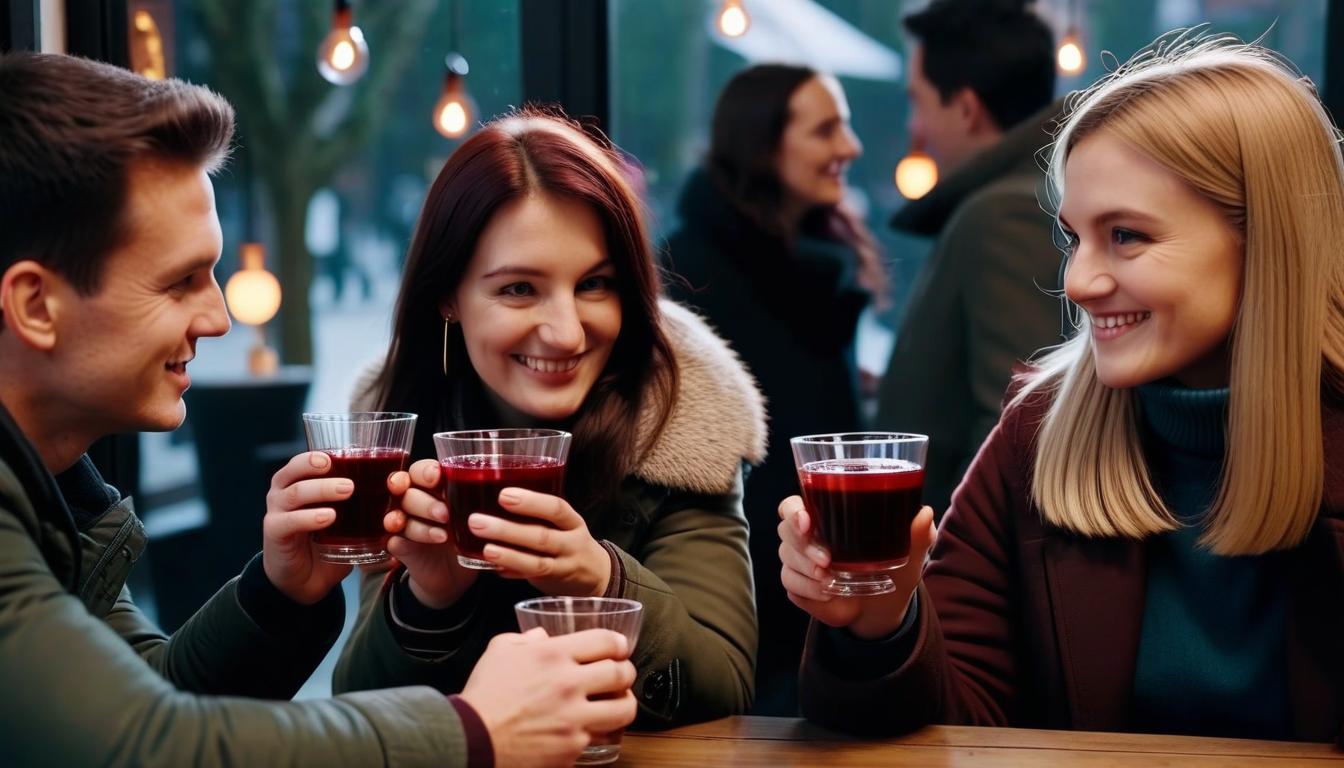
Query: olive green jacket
{"type": "Point", "coordinates": [86, 679]}
{"type": "Point", "coordinates": [681, 539]}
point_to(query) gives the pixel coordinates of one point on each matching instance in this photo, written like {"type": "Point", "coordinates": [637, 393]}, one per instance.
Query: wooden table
{"type": "Point", "coordinates": [781, 742]}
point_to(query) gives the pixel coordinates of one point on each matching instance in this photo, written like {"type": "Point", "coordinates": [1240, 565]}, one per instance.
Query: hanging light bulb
{"type": "Point", "coordinates": [733, 19]}
{"type": "Point", "coordinates": [343, 56]}
{"type": "Point", "coordinates": [916, 174]}
{"type": "Point", "coordinates": [1070, 54]}
{"type": "Point", "coordinates": [253, 296]}
{"type": "Point", "coordinates": [455, 109]}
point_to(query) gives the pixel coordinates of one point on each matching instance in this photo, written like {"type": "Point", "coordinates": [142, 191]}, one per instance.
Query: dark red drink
{"type": "Point", "coordinates": [359, 519]}
{"type": "Point", "coordinates": [472, 484]}
{"type": "Point", "coordinates": [862, 509]}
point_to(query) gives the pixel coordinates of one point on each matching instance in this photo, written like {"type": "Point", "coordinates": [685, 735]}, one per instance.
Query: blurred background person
{"type": "Point", "coordinates": [980, 82]}
{"type": "Point", "coordinates": [771, 257]}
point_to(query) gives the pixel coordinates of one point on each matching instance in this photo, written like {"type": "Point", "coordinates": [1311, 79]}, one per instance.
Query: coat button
{"type": "Point", "coordinates": [657, 688]}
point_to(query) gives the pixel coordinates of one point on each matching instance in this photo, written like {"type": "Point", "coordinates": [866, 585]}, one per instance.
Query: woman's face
{"type": "Point", "coordinates": [538, 305]}
{"type": "Point", "coordinates": [1154, 264]}
{"type": "Point", "coordinates": [817, 145]}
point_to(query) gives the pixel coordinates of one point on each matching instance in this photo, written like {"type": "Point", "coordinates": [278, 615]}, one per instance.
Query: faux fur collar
{"type": "Point", "coordinates": [718, 418]}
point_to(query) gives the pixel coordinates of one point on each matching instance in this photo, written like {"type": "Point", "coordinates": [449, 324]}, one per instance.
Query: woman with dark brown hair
{"type": "Point", "coordinates": [777, 264]}
{"type": "Point", "coordinates": [530, 298]}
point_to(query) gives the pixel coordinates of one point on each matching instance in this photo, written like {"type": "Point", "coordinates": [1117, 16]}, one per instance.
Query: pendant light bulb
{"type": "Point", "coordinates": [916, 174]}
{"type": "Point", "coordinates": [455, 110]}
{"type": "Point", "coordinates": [1069, 57]}
{"type": "Point", "coordinates": [733, 19]}
{"type": "Point", "coordinates": [343, 56]}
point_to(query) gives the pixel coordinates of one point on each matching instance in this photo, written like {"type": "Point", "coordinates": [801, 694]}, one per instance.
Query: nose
{"type": "Point", "coordinates": [561, 328]}
{"type": "Point", "coordinates": [850, 146]}
{"type": "Point", "coordinates": [1086, 276]}
{"type": "Point", "coordinates": [213, 319]}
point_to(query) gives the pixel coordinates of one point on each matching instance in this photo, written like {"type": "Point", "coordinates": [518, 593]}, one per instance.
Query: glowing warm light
{"type": "Point", "coordinates": [1070, 55]}
{"type": "Point", "coordinates": [147, 47]}
{"type": "Point", "coordinates": [252, 293]}
{"type": "Point", "coordinates": [733, 19]}
{"type": "Point", "coordinates": [452, 117]}
{"type": "Point", "coordinates": [343, 56]}
{"type": "Point", "coordinates": [454, 110]}
{"type": "Point", "coordinates": [916, 174]}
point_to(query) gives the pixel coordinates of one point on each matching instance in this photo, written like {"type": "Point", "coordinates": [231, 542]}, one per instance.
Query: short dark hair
{"type": "Point", "coordinates": [999, 49]}
{"type": "Point", "coordinates": [70, 129]}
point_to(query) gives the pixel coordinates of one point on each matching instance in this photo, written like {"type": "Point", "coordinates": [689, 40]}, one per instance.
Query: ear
{"type": "Point", "coordinates": [28, 301]}
{"type": "Point", "coordinates": [971, 112]}
{"type": "Point", "coordinates": [448, 310]}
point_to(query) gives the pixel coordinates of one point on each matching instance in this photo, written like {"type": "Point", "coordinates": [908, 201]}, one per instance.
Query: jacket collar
{"type": "Point", "coordinates": [52, 520]}
{"type": "Point", "coordinates": [1014, 153]}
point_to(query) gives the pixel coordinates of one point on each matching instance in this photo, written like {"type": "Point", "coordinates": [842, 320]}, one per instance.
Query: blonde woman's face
{"type": "Point", "coordinates": [539, 306]}
{"type": "Point", "coordinates": [1154, 265]}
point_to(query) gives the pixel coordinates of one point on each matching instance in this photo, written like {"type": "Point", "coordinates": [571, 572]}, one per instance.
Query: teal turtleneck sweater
{"type": "Point", "coordinates": [1212, 653]}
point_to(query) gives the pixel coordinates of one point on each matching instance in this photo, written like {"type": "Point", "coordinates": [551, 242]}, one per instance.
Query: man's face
{"type": "Point", "coordinates": [121, 352]}
{"type": "Point", "coordinates": [944, 130]}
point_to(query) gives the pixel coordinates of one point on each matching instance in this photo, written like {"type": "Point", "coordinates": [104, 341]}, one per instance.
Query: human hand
{"type": "Point", "coordinates": [533, 693]}
{"type": "Point", "coordinates": [421, 540]}
{"type": "Point", "coordinates": [294, 510]}
{"type": "Point", "coordinates": [805, 572]}
{"type": "Point", "coordinates": [556, 554]}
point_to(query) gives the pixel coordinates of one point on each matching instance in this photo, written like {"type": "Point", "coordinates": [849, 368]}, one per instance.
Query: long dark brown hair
{"type": "Point", "coordinates": [509, 158]}
{"type": "Point", "coordinates": [749, 121]}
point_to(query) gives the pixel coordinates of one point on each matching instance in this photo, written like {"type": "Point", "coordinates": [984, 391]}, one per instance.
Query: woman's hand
{"type": "Point", "coordinates": [421, 539]}
{"type": "Point", "coordinates": [298, 505]}
{"type": "Point", "coordinates": [556, 553]}
{"type": "Point", "coordinates": [804, 574]}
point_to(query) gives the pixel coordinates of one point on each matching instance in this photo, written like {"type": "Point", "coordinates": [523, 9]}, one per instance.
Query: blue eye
{"type": "Point", "coordinates": [597, 283]}
{"type": "Point", "coordinates": [1121, 236]}
{"type": "Point", "coordinates": [517, 290]}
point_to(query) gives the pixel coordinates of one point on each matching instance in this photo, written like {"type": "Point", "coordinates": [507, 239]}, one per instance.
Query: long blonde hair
{"type": "Point", "coordinates": [1246, 130]}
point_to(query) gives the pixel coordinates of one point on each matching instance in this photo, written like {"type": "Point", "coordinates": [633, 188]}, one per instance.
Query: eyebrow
{"type": "Point", "coordinates": [1117, 213]}
{"type": "Point", "coordinates": [509, 270]}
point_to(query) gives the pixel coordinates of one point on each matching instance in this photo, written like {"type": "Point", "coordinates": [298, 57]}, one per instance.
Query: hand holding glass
{"type": "Point", "coordinates": [365, 447]}
{"type": "Point", "coordinates": [478, 464]}
{"type": "Point", "coordinates": [862, 491]}
{"type": "Point", "coordinates": [565, 615]}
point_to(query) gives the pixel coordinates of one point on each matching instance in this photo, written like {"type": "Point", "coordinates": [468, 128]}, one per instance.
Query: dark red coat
{"type": "Point", "coordinates": [1023, 624]}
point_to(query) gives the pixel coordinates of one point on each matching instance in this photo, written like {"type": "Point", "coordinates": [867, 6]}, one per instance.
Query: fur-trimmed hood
{"type": "Point", "coordinates": [718, 418]}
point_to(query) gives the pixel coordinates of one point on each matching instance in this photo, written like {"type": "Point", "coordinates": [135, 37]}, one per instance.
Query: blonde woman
{"type": "Point", "coordinates": [1151, 538]}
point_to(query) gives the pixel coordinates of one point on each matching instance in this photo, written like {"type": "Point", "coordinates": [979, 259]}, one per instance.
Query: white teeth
{"type": "Point", "coordinates": [1117, 321]}
{"type": "Point", "coordinates": [548, 366]}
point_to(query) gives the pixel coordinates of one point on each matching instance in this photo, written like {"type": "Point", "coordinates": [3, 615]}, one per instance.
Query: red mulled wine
{"type": "Point", "coordinates": [862, 509]}
{"type": "Point", "coordinates": [472, 484]}
{"type": "Point", "coordinates": [359, 519]}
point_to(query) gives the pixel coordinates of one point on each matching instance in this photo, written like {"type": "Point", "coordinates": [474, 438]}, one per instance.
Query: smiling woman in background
{"type": "Point", "coordinates": [1152, 538]}
{"type": "Point", "coordinates": [531, 298]}
{"type": "Point", "coordinates": [775, 262]}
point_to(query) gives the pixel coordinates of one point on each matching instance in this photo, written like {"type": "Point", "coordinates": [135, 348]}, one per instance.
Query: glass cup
{"type": "Point", "coordinates": [478, 464]}
{"type": "Point", "coordinates": [862, 490]}
{"type": "Point", "coordinates": [365, 447]}
{"type": "Point", "coordinates": [563, 615]}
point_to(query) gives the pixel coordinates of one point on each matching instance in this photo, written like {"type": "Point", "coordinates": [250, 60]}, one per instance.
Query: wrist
{"type": "Point", "coordinates": [601, 560]}
{"type": "Point", "coordinates": [882, 617]}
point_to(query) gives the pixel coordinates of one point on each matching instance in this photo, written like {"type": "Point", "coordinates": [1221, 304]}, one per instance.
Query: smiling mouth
{"type": "Point", "coordinates": [1120, 320]}
{"type": "Point", "coordinates": [549, 365]}
{"type": "Point", "coordinates": [179, 367]}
